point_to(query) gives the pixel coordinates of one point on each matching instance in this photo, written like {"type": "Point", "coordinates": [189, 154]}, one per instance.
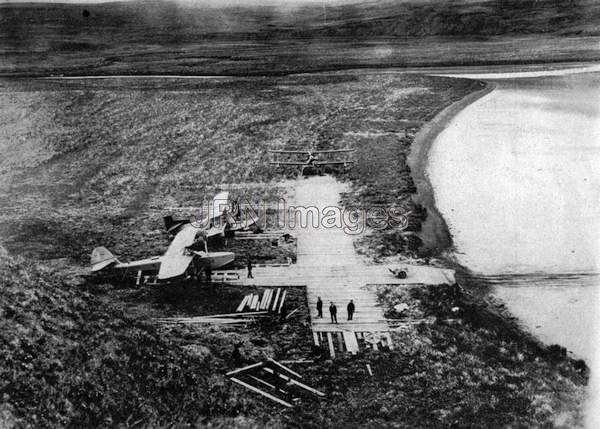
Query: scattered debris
{"type": "Point", "coordinates": [273, 380]}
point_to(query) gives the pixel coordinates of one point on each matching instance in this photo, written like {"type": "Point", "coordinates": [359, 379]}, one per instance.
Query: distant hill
{"type": "Point", "coordinates": [364, 19]}
{"type": "Point", "coordinates": [33, 34]}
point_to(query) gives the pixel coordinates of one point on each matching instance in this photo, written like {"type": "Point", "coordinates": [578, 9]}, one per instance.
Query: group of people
{"type": "Point", "coordinates": [350, 308]}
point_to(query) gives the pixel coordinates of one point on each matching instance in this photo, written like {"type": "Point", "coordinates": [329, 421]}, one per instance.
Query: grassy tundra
{"type": "Point", "coordinates": [99, 162]}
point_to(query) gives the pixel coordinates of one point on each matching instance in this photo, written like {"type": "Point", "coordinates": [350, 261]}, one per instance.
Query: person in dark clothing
{"type": "Point", "coordinates": [333, 312]}
{"type": "Point", "coordinates": [208, 275]}
{"type": "Point", "coordinates": [350, 309]}
{"type": "Point", "coordinates": [319, 307]}
{"type": "Point", "coordinates": [250, 276]}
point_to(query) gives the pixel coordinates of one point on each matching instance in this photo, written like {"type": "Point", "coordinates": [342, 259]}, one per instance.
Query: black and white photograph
{"type": "Point", "coordinates": [299, 214]}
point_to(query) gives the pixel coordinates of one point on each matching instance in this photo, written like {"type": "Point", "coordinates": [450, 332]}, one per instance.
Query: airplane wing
{"type": "Point", "coordinates": [184, 238]}
{"type": "Point", "coordinates": [174, 266]}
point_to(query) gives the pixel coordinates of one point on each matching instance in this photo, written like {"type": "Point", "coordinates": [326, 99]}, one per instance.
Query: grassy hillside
{"type": "Point", "coordinates": [167, 37]}
{"type": "Point", "coordinates": [74, 356]}
{"type": "Point", "coordinates": [89, 163]}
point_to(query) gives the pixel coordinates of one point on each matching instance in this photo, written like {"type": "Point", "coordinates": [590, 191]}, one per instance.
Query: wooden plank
{"type": "Point", "coordinates": [276, 299]}
{"type": "Point", "coordinates": [267, 384]}
{"type": "Point", "coordinates": [257, 306]}
{"type": "Point", "coordinates": [316, 338]}
{"type": "Point", "coordinates": [250, 303]}
{"type": "Point", "coordinates": [254, 365]}
{"type": "Point", "coordinates": [282, 299]}
{"type": "Point", "coordinates": [262, 300]}
{"type": "Point", "coordinates": [295, 382]}
{"type": "Point", "coordinates": [243, 303]}
{"type": "Point", "coordinates": [351, 342]}
{"type": "Point", "coordinates": [330, 342]}
{"type": "Point", "coordinates": [290, 315]}
{"type": "Point", "coordinates": [269, 299]}
{"type": "Point", "coordinates": [254, 305]}
{"type": "Point", "coordinates": [254, 389]}
{"type": "Point", "coordinates": [285, 368]}
{"type": "Point", "coordinates": [340, 341]}
{"type": "Point", "coordinates": [254, 313]}
{"type": "Point", "coordinates": [369, 370]}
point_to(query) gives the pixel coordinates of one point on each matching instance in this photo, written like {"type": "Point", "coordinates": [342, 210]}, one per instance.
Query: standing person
{"type": "Point", "coordinates": [333, 312]}
{"type": "Point", "coordinates": [319, 307]}
{"type": "Point", "coordinates": [250, 276]}
{"type": "Point", "coordinates": [208, 275]}
{"type": "Point", "coordinates": [350, 309]}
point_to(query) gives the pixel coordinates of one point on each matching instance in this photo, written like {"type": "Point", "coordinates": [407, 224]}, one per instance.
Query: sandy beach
{"type": "Point", "coordinates": [435, 233]}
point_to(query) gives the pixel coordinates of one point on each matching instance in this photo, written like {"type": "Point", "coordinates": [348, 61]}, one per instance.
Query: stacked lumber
{"type": "Point", "coordinates": [269, 301]}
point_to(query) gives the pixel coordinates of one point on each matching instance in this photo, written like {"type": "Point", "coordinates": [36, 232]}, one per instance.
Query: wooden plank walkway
{"type": "Point", "coordinates": [328, 266]}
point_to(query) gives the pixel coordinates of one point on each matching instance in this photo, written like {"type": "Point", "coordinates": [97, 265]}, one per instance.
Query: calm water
{"type": "Point", "coordinates": [517, 177]}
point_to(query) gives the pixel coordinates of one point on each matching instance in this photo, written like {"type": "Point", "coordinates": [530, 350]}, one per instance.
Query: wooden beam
{"type": "Point", "coordinates": [247, 313]}
{"type": "Point", "coordinates": [285, 368]}
{"type": "Point", "coordinates": [254, 389]}
{"type": "Point", "coordinates": [316, 338]}
{"type": "Point", "coordinates": [290, 315]}
{"type": "Point", "coordinates": [340, 341]}
{"type": "Point", "coordinates": [351, 342]}
{"type": "Point", "coordinates": [269, 298]}
{"type": "Point", "coordinates": [262, 300]}
{"type": "Point", "coordinates": [295, 382]}
{"type": "Point", "coordinates": [276, 299]}
{"type": "Point", "coordinates": [254, 303]}
{"type": "Point", "coordinates": [330, 342]}
{"type": "Point", "coordinates": [254, 365]}
{"type": "Point", "coordinates": [282, 299]}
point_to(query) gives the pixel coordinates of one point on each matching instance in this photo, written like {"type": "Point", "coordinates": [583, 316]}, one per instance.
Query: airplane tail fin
{"type": "Point", "coordinates": [102, 258]}
{"type": "Point", "coordinates": [172, 225]}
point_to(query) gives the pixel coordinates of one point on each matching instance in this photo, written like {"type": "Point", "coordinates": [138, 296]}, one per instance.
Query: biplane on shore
{"type": "Point", "coordinates": [313, 162]}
